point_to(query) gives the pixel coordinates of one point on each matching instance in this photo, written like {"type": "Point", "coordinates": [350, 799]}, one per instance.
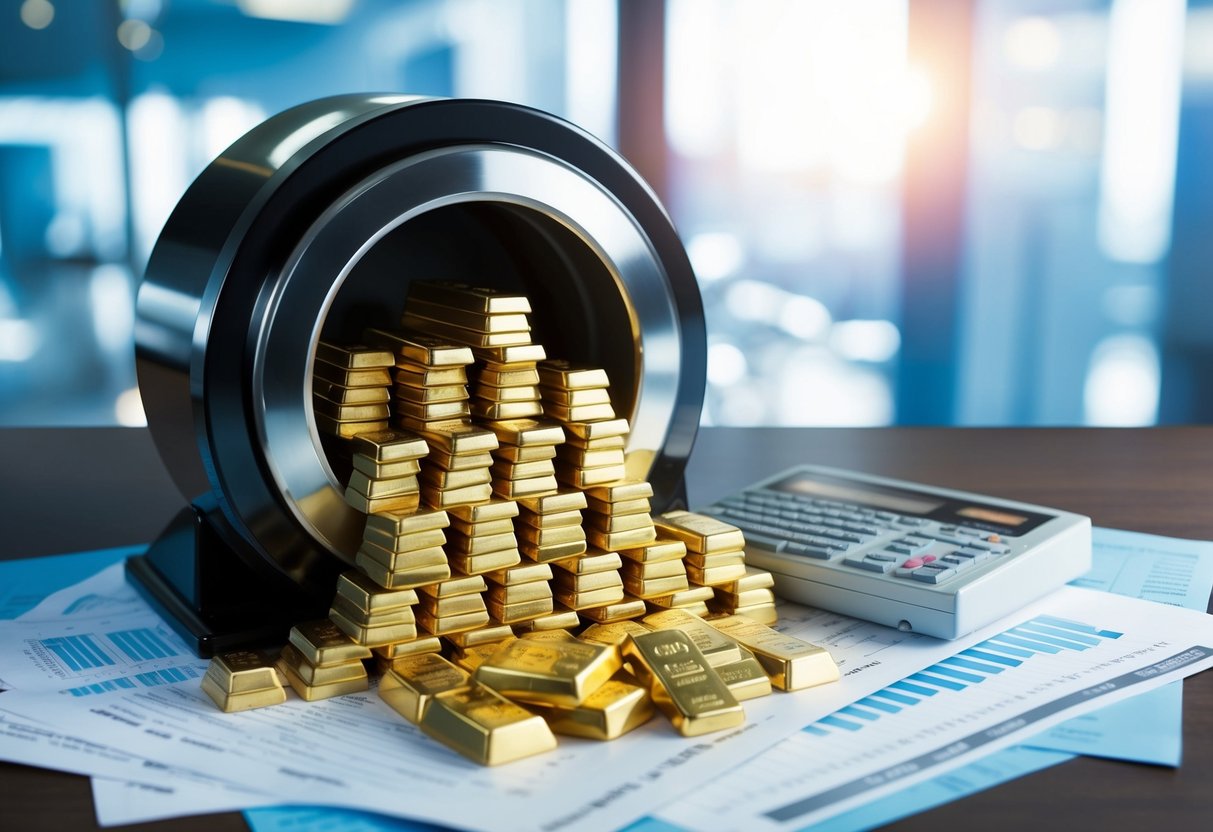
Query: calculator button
{"type": "Point", "coordinates": [810, 551]}
{"type": "Point", "coordinates": [916, 542]}
{"type": "Point", "coordinates": [972, 532]}
{"type": "Point", "coordinates": [952, 541]}
{"type": "Point", "coordinates": [979, 544]}
{"type": "Point", "coordinates": [999, 549]}
{"type": "Point", "coordinates": [912, 521]}
{"type": "Point", "coordinates": [867, 564]}
{"type": "Point", "coordinates": [900, 548]}
{"type": "Point", "coordinates": [885, 557]}
{"type": "Point", "coordinates": [933, 574]}
{"type": "Point", "coordinates": [887, 515]}
{"type": "Point", "coordinates": [761, 541]}
{"type": "Point", "coordinates": [975, 555]}
{"type": "Point", "coordinates": [957, 561]}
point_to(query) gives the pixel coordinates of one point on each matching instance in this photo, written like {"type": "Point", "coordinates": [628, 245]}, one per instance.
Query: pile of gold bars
{"type": "Point", "coordinates": [512, 582]}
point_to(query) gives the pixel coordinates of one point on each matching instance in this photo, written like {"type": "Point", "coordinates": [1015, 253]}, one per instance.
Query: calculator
{"type": "Point", "coordinates": [911, 556]}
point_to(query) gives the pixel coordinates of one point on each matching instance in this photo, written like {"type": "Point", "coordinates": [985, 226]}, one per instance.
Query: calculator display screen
{"type": "Point", "coordinates": [903, 502]}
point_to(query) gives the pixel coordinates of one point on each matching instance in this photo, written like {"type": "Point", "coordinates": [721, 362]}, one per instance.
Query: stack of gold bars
{"type": "Point", "coordinates": [498, 524]}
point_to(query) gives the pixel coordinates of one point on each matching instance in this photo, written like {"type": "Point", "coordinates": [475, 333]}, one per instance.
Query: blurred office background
{"type": "Point", "coordinates": [900, 211]}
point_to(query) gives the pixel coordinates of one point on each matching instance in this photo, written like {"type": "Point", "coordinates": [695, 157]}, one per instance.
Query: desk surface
{"type": "Point", "coordinates": [1155, 480]}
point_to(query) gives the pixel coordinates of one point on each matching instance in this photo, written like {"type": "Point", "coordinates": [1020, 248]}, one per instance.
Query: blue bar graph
{"type": "Point", "coordinates": [1042, 635]}
{"type": "Point", "coordinates": [151, 679]}
{"type": "Point", "coordinates": [77, 652]}
{"type": "Point", "coordinates": [141, 644]}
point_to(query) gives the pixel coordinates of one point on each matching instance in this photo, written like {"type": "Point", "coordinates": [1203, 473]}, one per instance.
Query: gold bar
{"type": "Point", "coordinates": [569, 582]}
{"type": "Point", "coordinates": [522, 470]}
{"type": "Point", "coordinates": [549, 635]}
{"type": "Point", "coordinates": [600, 443]}
{"type": "Point", "coordinates": [579, 412]}
{"type": "Point", "coordinates": [350, 395]}
{"type": "Point", "coordinates": [484, 527]}
{"type": "Point", "coordinates": [471, 657]}
{"type": "Point", "coordinates": [614, 633]}
{"type": "Point", "coordinates": [700, 609]}
{"type": "Point", "coordinates": [687, 597]}
{"type": "Point", "coordinates": [598, 430]}
{"type": "Point", "coordinates": [452, 624]}
{"type": "Point", "coordinates": [489, 634]}
{"type": "Point", "coordinates": [411, 683]}
{"type": "Point", "coordinates": [622, 540]}
{"type": "Point", "coordinates": [231, 703]}
{"type": "Point", "coordinates": [555, 520]}
{"type": "Point", "coordinates": [569, 376]}
{"type": "Point", "coordinates": [483, 564]}
{"type": "Point", "coordinates": [516, 594]}
{"type": "Point", "coordinates": [349, 412]}
{"type": "Point", "coordinates": [617, 611]}
{"type": "Point", "coordinates": [594, 560]}
{"type": "Point", "coordinates": [395, 561]}
{"type": "Point", "coordinates": [485, 727]}
{"type": "Point", "coordinates": [525, 453]}
{"type": "Point", "coordinates": [470, 298]}
{"type": "Point", "coordinates": [374, 488]}
{"type": "Point", "coordinates": [609, 523]}
{"type": "Point", "coordinates": [512, 354]}
{"type": "Point", "coordinates": [587, 477]}
{"type": "Point", "coordinates": [620, 491]}
{"type": "Point", "coordinates": [439, 498]}
{"type": "Point", "coordinates": [655, 587]}
{"type": "Point", "coordinates": [364, 618]}
{"type": "Point", "coordinates": [520, 611]}
{"type": "Point", "coordinates": [385, 470]}
{"type": "Point", "coordinates": [681, 683]}
{"type": "Point", "coordinates": [493, 510]}
{"type": "Point", "coordinates": [523, 574]}
{"type": "Point", "coordinates": [461, 439]}
{"type": "Point", "coordinates": [485, 409]}
{"type": "Point", "coordinates": [402, 543]}
{"type": "Point", "coordinates": [348, 430]}
{"type": "Point", "coordinates": [390, 446]}
{"type": "Point", "coordinates": [745, 678]}
{"type": "Point", "coordinates": [559, 619]}
{"type": "Point", "coordinates": [447, 480]}
{"type": "Point", "coordinates": [613, 710]}
{"type": "Point", "coordinates": [431, 395]}
{"type": "Point", "coordinates": [378, 505]}
{"type": "Point", "coordinates": [558, 551]}
{"type": "Point", "coordinates": [431, 412]}
{"type": "Point", "coordinates": [326, 674]}
{"type": "Point", "coordinates": [716, 647]}
{"type": "Point", "coordinates": [320, 642]}
{"type": "Point", "coordinates": [350, 378]}
{"type": "Point", "coordinates": [716, 559]}
{"type": "Point", "coordinates": [450, 606]}
{"type": "Point", "coordinates": [527, 432]}
{"type": "Point", "coordinates": [656, 552]}
{"type": "Point", "coordinates": [411, 374]}
{"type": "Point", "coordinates": [754, 578]}
{"type": "Point", "coordinates": [404, 578]}
{"type": "Point", "coordinates": [593, 598]}
{"type": "Point", "coordinates": [749, 598]}
{"type": "Point", "coordinates": [575, 398]}
{"type": "Point", "coordinates": [590, 459]}
{"type": "Point", "coordinates": [393, 524]}
{"type": "Point", "coordinates": [373, 636]}
{"type": "Point", "coordinates": [458, 544]}
{"type": "Point", "coordinates": [460, 462]}
{"type": "Point", "coordinates": [242, 671]}
{"type": "Point", "coordinates": [791, 663]}
{"type": "Point", "coordinates": [638, 506]}
{"type": "Point", "coordinates": [518, 393]}
{"type": "Point", "coordinates": [565, 501]}
{"type": "Point", "coordinates": [762, 613]}
{"type": "Point", "coordinates": [421, 348]}
{"type": "Point", "coordinates": [479, 321]}
{"type": "Point", "coordinates": [517, 489]}
{"type": "Point", "coordinates": [520, 377]}
{"type": "Point", "coordinates": [659, 569]}
{"type": "Point", "coordinates": [356, 357]}
{"type": "Point", "coordinates": [716, 574]}
{"type": "Point", "coordinates": [550, 537]}
{"type": "Point", "coordinates": [461, 334]}
{"type": "Point", "coordinates": [702, 534]}
{"type": "Point", "coordinates": [404, 649]}
{"type": "Point", "coordinates": [551, 673]}
{"type": "Point", "coordinates": [454, 587]}
{"type": "Point", "coordinates": [312, 693]}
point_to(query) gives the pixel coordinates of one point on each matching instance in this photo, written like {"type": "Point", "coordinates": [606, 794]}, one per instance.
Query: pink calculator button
{"type": "Point", "coordinates": [913, 563]}
{"type": "Point", "coordinates": [928, 558]}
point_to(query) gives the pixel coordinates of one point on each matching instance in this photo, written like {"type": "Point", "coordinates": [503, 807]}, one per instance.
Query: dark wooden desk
{"type": "Point", "coordinates": [67, 490]}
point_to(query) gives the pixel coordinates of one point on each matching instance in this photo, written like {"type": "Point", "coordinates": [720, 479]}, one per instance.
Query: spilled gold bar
{"type": "Point", "coordinates": [445, 480]}
{"type": "Point", "coordinates": [325, 674]}
{"type": "Point", "coordinates": [791, 663]}
{"type": "Point", "coordinates": [590, 459]}
{"type": "Point", "coordinates": [242, 671]}
{"type": "Point", "coordinates": [231, 703]}
{"type": "Point", "coordinates": [470, 298]}
{"type": "Point", "coordinates": [481, 321]}
{"type": "Point", "coordinates": [745, 677]}
{"type": "Point", "coordinates": [629, 607]}
{"type": "Point", "coordinates": [649, 571]}
{"type": "Point", "coordinates": [421, 348]}
{"type": "Point", "coordinates": [350, 395]}
{"type": "Point", "coordinates": [656, 552]}
{"type": "Point", "coordinates": [655, 587]}
{"type": "Point", "coordinates": [460, 462]}
{"type": "Point", "coordinates": [432, 395]}
{"type": "Point", "coordinates": [355, 357]}
{"type": "Point", "coordinates": [366, 618]}
{"type": "Point", "coordinates": [516, 594]}
{"type": "Point", "coordinates": [569, 376]}
{"type": "Point", "coordinates": [454, 587]}
{"type": "Point", "coordinates": [349, 412]}
{"type": "Point", "coordinates": [403, 649]}
{"type": "Point", "coordinates": [373, 636]}
{"type": "Point", "coordinates": [553, 520]}
{"type": "Point", "coordinates": [312, 693]}
{"type": "Point", "coordinates": [593, 598]}
{"type": "Point", "coordinates": [493, 510]}
{"type": "Point", "coordinates": [452, 606]}
{"type": "Point", "coordinates": [599, 430]}
{"type": "Point", "coordinates": [506, 376]}
{"type": "Point", "coordinates": [613, 710]}
{"type": "Point", "coordinates": [431, 553]}
{"type": "Point", "coordinates": [730, 558]}
{"type": "Point", "coordinates": [702, 534]}
{"type": "Point", "coordinates": [412, 374]}
{"type": "Point", "coordinates": [594, 560]}
{"type": "Point", "coordinates": [521, 611]}
{"type": "Point", "coordinates": [617, 522]}
{"type": "Point", "coordinates": [523, 574]}
{"type": "Point", "coordinates": [411, 683]}
{"type": "Point", "coordinates": [404, 578]}
{"type": "Point", "coordinates": [754, 578]}
{"type": "Point", "coordinates": [552, 673]}
{"type": "Point", "coordinates": [579, 412]}
{"type": "Point", "coordinates": [617, 492]}
{"type": "Point", "coordinates": [716, 574]}
{"type": "Point", "coordinates": [716, 647]}
{"type": "Point", "coordinates": [511, 355]}
{"type": "Point", "coordinates": [569, 582]}
{"type": "Point", "coordinates": [485, 409]}
{"type": "Point", "coordinates": [375, 488]}
{"type": "Point", "coordinates": [471, 657]}
{"type": "Point", "coordinates": [621, 540]}
{"type": "Point", "coordinates": [489, 634]}
{"type": "Point", "coordinates": [393, 524]}
{"type": "Point", "coordinates": [560, 618]}
{"type": "Point", "coordinates": [573, 398]}
{"type": "Point", "coordinates": [484, 527]}
{"type": "Point", "coordinates": [558, 551]}
{"type": "Point", "coordinates": [615, 632]}
{"type": "Point", "coordinates": [488, 562]}
{"type": "Point", "coordinates": [485, 727]}
{"type": "Point", "coordinates": [348, 430]}
{"type": "Point", "coordinates": [587, 477]}
{"type": "Point", "coordinates": [439, 498]}
{"type": "Point", "coordinates": [385, 470]}
{"type": "Point", "coordinates": [462, 439]}
{"type": "Point", "coordinates": [351, 378]}
{"type": "Point", "coordinates": [749, 598]}
{"type": "Point", "coordinates": [377, 505]}
{"type": "Point", "coordinates": [320, 642]}
{"type": "Point", "coordinates": [452, 624]}
{"type": "Point", "coordinates": [562, 502]}
{"type": "Point", "coordinates": [681, 683]}
{"type": "Point", "coordinates": [521, 470]}
{"type": "Point", "coordinates": [637, 506]}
